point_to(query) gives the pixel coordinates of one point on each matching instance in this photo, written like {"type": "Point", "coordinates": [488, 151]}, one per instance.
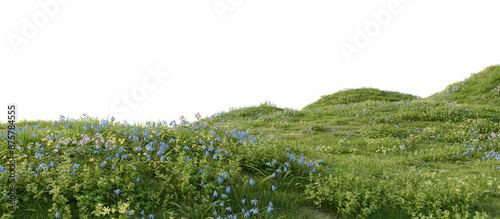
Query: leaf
{"type": "Point", "coordinates": [247, 165]}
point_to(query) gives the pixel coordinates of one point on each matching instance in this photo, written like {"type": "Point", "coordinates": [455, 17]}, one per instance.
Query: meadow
{"type": "Point", "coordinates": [356, 153]}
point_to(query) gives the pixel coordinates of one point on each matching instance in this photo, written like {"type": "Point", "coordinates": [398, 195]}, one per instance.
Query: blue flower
{"type": "Point", "coordinates": [215, 193]}
{"type": "Point", "coordinates": [243, 201]}
{"type": "Point", "coordinates": [117, 191]}
{"type": "Point", "coordinates": [129, 213]}
{"type": "Point", "coordinates": [139, 148]}
{"type": "Point", "coordinates": [76, 165]}
{"type": "Point", "coordinates": [224, 175]}
{"type": "Point", "coordinates": [103, 164]}
{"type": "Point", "coordinates": [269, 209]}
{"type": "Point", "coordinates": [273, 187]}
{"type": "Point", "coordinates": [201, 171]}
{"type": "Point", "coordinates": [270, 204]}
{"type": "Point", "coordinates": [186, 147]}
{"type": "Point", "coordinates": [206, 153]}
{"type": "Point", "coordinates": [215, 157]}
{"type": "Point", "coordinates": [251, 182]}
{"type": "Point", "coordinates": [137, 180]}
{"type": "Point", "coordinates": [228, 209]}
{"type": "Point", "coordinates": [162, 158]}
{"type": "Point", "coordinates": [113, 167]}
{"type": "Point", "coordinates": [202, 183]}
{"type": "Point", "coordinates": [220, 179]}
{"type": "Point", "coordinates": [228, 190]}
{"type": "Point", "coordinates": [256, 211]}
{"type": "Point", "coordinates": [222, 204]}
{"type": "Point", "coordinates": [215, 212]}
{"type": "Point", "coordinates": [151, 216]}
{"type": "Point", "coordinates": [58, 214]}
{"type": "Point", "coordinates": [142, 212]}
{"type": "Point", "coordinates": [247, 214]}
{"type": "Point", "coordinates": [254, 202]}
{"type": "Point", "coordinates": [224, 196]}
{"type": "Point", "coordinates": [268, 164]}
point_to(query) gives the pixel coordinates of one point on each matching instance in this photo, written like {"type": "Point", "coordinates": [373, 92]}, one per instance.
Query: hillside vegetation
{"type": "Point", "coordinates": [360, 153]}
{"type": "Point", "coordinates": [480, 88]}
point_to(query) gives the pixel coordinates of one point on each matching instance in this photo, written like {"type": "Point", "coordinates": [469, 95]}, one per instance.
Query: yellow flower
{"type": "Point", "coordinates": [106, 211]}
{"type": "Point", "coordinates": [126, 204]}
{"type": "Point", "coordinates": [99, 204]}
{"type": "Point", "coordinates": [122, 209]}
{"type": "Point", "coordinates": [113, 210]}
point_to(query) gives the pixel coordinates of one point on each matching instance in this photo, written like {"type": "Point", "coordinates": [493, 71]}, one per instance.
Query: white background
{"type": "Point", "coordinates": [86, 54]}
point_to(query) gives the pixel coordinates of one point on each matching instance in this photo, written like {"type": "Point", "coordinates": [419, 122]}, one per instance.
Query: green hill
{"type": "Point", "coordinates": [479, 88]}
{"type": "Point", "coordinates": [357, 96]}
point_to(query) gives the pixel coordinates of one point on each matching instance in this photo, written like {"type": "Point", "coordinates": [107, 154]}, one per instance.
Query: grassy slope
{"type": "Point", "coordinates": [480, 88]}
{"type": "Point", "coordinates": [354, 132]}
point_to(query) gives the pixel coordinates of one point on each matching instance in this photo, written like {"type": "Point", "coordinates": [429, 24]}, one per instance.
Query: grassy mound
{"type": "Point", "coordinates": [357, 96]}
{"type": "Point", "coordinates": [479, 88]}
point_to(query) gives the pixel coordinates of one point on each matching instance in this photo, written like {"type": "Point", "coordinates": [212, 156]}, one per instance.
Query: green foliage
{"type": "Point", "coordinates": [415, 193]}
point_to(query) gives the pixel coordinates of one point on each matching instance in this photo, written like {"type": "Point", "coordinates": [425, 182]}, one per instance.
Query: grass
{"type": "Point", "coordinates": [356, 153]}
